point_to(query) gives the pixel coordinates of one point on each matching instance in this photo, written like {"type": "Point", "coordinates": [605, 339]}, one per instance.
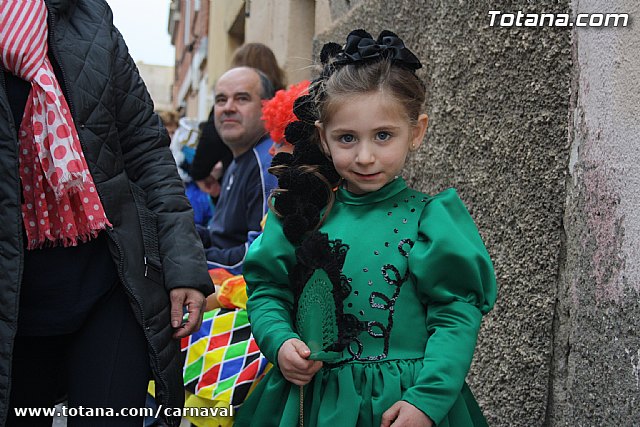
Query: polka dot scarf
{"type": "Point", "coordinates": [61, 205]}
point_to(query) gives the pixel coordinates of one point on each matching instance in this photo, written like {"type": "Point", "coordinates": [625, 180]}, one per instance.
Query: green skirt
{"type": "Point", "coordinates": [350, 395]}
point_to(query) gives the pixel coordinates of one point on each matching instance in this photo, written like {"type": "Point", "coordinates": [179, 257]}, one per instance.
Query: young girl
{"type": "Point", "coordinates": [408, 273]}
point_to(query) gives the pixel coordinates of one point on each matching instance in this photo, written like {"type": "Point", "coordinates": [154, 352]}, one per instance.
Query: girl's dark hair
{"type": "Point", "coordinates": [259, 56]}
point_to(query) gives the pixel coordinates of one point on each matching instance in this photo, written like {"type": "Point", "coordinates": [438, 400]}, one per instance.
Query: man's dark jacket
{"type": "Point", "coordinates": [153, 239]}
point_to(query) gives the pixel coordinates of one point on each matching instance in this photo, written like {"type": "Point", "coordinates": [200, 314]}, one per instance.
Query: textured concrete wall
{"type": "Point", "coordinates": [498, 101]}
{"type": "Point", "coordinates": [597, 350]}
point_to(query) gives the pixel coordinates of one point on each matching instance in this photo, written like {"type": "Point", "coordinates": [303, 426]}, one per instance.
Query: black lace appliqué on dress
{"type": "Point", "coordinates": [318, 252]}
{"type": "Point", "coordinates": [382, 301]}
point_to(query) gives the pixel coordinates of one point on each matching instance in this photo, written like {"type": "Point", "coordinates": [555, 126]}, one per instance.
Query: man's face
{"type": "Point", "coordinates": [238, 108]}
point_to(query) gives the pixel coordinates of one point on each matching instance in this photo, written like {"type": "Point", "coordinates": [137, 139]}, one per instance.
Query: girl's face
{"type": "Point", "coordinates": [368, 138]}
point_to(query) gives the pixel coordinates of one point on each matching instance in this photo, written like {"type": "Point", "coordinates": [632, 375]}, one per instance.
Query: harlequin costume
{"type": "Point", "coordinates": [222, 361]}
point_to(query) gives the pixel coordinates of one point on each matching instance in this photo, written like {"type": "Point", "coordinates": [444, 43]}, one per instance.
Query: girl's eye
{"type": "Point", "coordinates": [347, 139]}
{"type": "Point", "coordinates": [383, 136]}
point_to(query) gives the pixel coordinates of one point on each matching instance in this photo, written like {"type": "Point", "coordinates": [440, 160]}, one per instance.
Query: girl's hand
{"type": "Point", "coordinates": [294, 364]}
{"type": "Point", "coordinates": [404, 414]}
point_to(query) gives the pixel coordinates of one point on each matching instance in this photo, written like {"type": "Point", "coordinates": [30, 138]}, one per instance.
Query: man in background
{"type": "Point", "coordinates": [246, 184]}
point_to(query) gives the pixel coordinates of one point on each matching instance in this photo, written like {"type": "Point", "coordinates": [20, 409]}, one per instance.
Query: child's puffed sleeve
{"type": "Point", "coordinates": [456, 284]}
{"type": "Point", "coordinates": [270, 305]}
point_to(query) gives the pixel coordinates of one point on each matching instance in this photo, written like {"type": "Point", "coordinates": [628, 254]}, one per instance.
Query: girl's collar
{"type": "Point", "coordinates": [389, 190]}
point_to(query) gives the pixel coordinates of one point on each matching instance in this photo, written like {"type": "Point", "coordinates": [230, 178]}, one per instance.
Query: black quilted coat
{"type": "Point", "coordinates": [153, 240]}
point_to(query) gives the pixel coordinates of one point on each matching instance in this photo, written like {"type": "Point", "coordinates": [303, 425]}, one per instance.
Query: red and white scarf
{"type": "Point", "coordinates": [61, 205]}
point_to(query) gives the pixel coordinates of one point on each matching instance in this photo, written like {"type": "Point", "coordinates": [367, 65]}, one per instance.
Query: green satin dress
{"type": "Point", "coordinates": [421, 280]}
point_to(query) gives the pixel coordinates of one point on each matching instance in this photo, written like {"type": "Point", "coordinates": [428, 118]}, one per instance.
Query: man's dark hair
{"type": "Point", "coordinates": [267, 87]}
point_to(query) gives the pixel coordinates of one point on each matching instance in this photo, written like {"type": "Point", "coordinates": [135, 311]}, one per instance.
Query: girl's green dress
{"type": "Point", "coordinates": [421, 280]}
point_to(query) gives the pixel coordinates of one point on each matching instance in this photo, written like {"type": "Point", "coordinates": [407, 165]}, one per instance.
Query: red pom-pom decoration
{"type": "Point", "coordinates": [277, 112]}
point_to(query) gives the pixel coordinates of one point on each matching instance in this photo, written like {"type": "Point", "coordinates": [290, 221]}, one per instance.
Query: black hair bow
{"type": "Point", "coordinates": [361, 47]}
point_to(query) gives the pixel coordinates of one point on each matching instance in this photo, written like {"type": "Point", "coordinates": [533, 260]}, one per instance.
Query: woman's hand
{"type": "Point", "coordinates": [404, 414]}
{"type": "Point", "coordinates": [294, 363]}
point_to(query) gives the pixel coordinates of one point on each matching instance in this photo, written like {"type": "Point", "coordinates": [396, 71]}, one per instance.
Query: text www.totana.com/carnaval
{"type": "Point", "coordinates": [81, 411]}
{"type": "Point", "coordinates": [521, 19]}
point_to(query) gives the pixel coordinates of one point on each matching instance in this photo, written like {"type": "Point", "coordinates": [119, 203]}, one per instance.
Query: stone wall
{"type": "Point", "coordinates": [596, 375]}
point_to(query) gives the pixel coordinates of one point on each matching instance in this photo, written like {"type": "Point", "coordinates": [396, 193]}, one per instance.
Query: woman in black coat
{"type": "Point", "coordinates": [92, 308]}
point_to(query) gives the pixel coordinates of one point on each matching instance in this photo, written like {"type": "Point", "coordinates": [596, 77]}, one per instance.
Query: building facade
{"type": "Point", "coordinates": [188, 27]}
{"type": "Point", "coordinates": [159, 80]}
{"type": "Point", "coordinates": [205, 44]}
